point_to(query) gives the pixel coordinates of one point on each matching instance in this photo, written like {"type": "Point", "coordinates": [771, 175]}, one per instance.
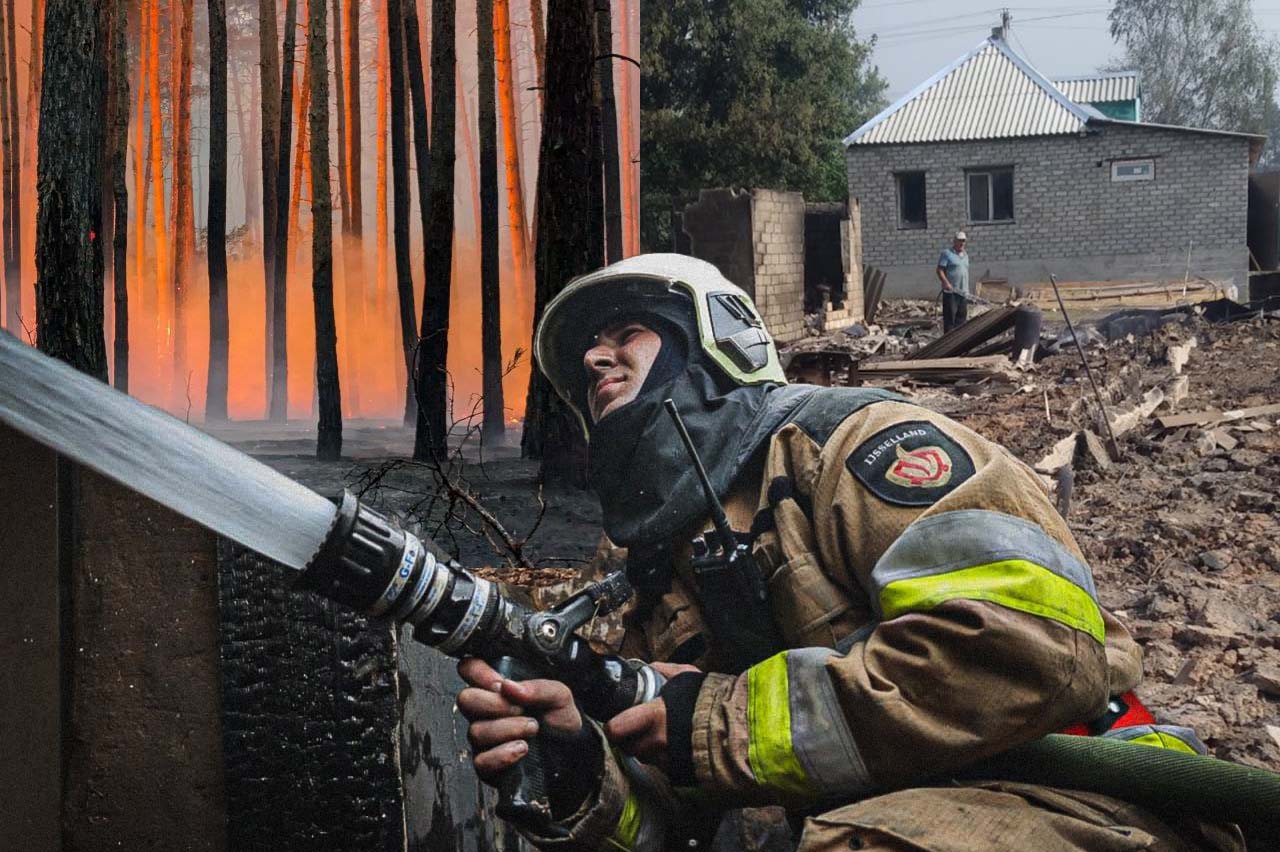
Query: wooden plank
{"type": "Point", "coordinates": [1212, 417]}
{"type": "Point", "coordinates": [970, 334]}
{"type": "Point", "coordinates": [959, 363]}
{"type": "Point", "coordinates": [1190, 418]}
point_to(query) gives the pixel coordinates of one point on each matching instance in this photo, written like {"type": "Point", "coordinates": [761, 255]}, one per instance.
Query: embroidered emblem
{"type": "Point", "coordinates": [910, 464]}
{"type": "Point", "coordinates": [927, 467]}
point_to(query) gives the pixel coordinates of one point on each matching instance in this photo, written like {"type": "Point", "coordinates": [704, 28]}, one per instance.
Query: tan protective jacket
{"type": "Point", "coordinates": [965, 611]}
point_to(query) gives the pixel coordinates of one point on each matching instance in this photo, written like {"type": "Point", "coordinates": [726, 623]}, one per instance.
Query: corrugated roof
{"type": "Point", "coordinates": [989, 93]}
{"type": "Point", "coordinates": [1100, 88]}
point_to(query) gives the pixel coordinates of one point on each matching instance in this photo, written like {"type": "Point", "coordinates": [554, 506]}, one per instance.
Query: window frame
{"type": "Point", "coordinates": [989, 173]}
{"type": "Point", "coordinates": [903, 223]}
{"type": "Point", "coordinates": [1149, 162]}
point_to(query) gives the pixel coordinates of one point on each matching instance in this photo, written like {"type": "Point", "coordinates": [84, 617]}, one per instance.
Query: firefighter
{"type": "Point", "coordinates": [921, 605]}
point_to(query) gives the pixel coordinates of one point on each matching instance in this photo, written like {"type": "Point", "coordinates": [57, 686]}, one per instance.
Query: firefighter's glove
{"type": "Point", "coordinates": [660, 732]}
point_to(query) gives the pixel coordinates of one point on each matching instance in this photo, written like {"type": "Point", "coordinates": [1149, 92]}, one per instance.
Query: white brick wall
{"type": "Point", "coordinates": [1069, 215]}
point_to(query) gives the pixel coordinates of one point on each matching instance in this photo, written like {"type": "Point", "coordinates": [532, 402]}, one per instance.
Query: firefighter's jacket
{"type": "Point", "coordinates": [936, 610]}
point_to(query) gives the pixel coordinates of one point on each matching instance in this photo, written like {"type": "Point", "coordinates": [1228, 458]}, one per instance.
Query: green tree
{"type": "Point", "coordinates": [1204, 63]}
{"type": "Point", "coordinates": [750, 93]}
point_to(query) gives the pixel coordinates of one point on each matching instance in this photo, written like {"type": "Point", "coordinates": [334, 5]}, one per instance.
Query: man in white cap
{"type": "Point", "coordinates": [953, 273]}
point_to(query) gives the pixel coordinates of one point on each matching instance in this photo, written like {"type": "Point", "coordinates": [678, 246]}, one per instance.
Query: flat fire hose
{"type": "Point", "coordinates": [1159, 779]}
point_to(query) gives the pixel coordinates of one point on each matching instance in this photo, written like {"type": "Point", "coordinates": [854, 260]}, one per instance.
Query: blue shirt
{"type": "Point", "coordinates": [956, 265]}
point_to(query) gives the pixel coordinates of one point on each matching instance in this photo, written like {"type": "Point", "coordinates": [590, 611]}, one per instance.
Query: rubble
{"type": "Point", "coordinates": [1181, 530]}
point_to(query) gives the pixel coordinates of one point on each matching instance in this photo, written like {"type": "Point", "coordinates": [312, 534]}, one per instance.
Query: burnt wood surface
{"type": "Point", "coordinates": [309, 717]}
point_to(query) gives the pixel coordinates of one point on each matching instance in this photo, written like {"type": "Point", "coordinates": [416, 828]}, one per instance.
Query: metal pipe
{"type": "Point", "coordinates": [1112, 446]}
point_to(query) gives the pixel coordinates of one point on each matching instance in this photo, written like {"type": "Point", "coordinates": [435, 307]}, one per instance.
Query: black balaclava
{"type": "Point", "coordinates": [638, 466]}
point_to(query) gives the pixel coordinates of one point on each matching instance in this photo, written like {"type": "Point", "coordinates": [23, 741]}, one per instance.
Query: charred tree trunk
{"type": "Point", "coordinates": [539, 27]}
{"type": "Point", "coordinates": [353, 257]}
{"type": "Point", "coordinates": [69, 259]}
{"type": "Point", "coordinates": [140, 163]}
{"type": "Point", "coordinates": [380, 169]}
{"type": "Point", "coordinates": [119, 66]}
{"type": "Point", "coordinates": [569, 244]}
{"type": "Point", "coordinates": [6, 195]}
{"type": "Point", "coordinates": [340, 107]}
{"type": "Point", "coordinates": [160, 221]}
{"type": "Point", "coordinates": [269, 101]}
{"type": "Point", "coordinates": [418, 110]}
{"type": "Point", "coordinates": [215, 410]}
{"type": "Point", "coordinates": [329, 435]}
{"type": "Point", "coordinates": [609, 134]}
{"type": "Point", "coordinates": [433, 377]}
{"type": "Point", "coordinates": [27, 188]}
{"type": "Point", "coordinates": [249, 127]}
{"type": "Point", "coordinates": [400, 200]}
{"type": "Point", "coordinates": [511, 151]}
{"type": "Point", "coordinates": [279, 405]}
{"type": "Point", "coordinates": [184, 237]}
{"type": "Point", "coordinates": [13, 177]}
{"type": "Point", "coordinates": [490, 290]}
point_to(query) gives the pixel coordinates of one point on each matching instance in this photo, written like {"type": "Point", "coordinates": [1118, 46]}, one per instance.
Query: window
{"type": "Point", "coordinates": [990, 194]}
{"type": "Point", "coordinates": [912, 212]}
{"type": "Point", "coordinates": [1128, 170]}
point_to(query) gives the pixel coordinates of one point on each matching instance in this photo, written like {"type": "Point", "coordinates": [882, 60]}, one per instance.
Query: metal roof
{"type": "Point", "coordinates": [1100, 88]}
{"type": "Point", "coordinates": [989, 93]}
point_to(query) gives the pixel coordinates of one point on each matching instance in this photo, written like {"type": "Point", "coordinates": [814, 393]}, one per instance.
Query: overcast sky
{"type": "Point", "coordinates": [918, 37]}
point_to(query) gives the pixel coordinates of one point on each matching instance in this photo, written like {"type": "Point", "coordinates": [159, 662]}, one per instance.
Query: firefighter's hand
{"type": "Point", "coordinates": [505, 713]}
{"type": "Point", "coordinates": [641, 731]}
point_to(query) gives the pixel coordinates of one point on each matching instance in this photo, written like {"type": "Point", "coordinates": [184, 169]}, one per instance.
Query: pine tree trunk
{"type": "Point", "coordinates": [609, 135]}
{"type": "Point", "coordinates": [340, 116]}
{"type": "Point", "coordinates": [69, 260]}
{"type": "Point", "coordinates": [539, 27]}
{"type": "Point", "coordinates": [27, 187]}
{"type": "Point", "coordinates": [433, 377]}
{"type": "Point", "coordinates": [216, 398]}
{"type": "Point", "coordinates": [353, 257]}
{"type": "Point", "coordinates": [279, 405]}
{"type": "Point", "coordinates": [11, 287]}
{"type": "Point", "coordinates": [381, 232]}
{"type": "Point", "coordinates": [329, 435]}
{"type": "Point", "coordinates": [490, 290]}
{"type": "Point", "coordinates": [511, 152]}
{"type": "Point", "coordinates": [400, 200]}
{"type": "Point", "coordinates": [184, 237]}
{"type": "Point", "coordinates": [248, 126]}
{"type": "Point", "coordinates": [269, 101]}
{"type": "Point", "coordinates": [13, 175]}
{"type": "Point", "coordinates": [418, 111]}
{"type": "Point", "coordinates": [141, 163]}
{"type": "Point", "coordinates": [569, 244]}
{"type": "Point", "coordinates": [119, 65]}
{"type": "Point", "coordinates": [160, 221]}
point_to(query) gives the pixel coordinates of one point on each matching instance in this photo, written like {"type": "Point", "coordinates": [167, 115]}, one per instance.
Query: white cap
{"type": "Point", "coordinates": [960, 235]}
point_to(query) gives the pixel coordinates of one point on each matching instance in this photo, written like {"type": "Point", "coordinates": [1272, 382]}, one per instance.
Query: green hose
{"type": "Point", "coordinates": [1162, 780]}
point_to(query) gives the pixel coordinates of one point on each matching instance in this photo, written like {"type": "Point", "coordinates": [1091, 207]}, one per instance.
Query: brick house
{"type": "Point", "coordinates": [1042, 183]}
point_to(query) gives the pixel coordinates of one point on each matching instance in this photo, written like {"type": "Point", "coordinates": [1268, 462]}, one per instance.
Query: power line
{"type": "Point", "coordinates": [899, 37]}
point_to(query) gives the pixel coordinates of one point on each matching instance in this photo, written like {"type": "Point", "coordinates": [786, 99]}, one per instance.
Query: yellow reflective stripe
{"type": "Point", "coordinates": [769, 751]}
{"type": "Point", "coordinates": [628, 824]}
{"type": "Point", "coordinates": [1013, 583]}
{"type": "Point", "coordinates": [1159, 739]}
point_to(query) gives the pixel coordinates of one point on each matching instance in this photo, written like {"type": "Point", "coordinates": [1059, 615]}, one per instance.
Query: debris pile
{"type": "Point", "coordinates": [1180, 519]}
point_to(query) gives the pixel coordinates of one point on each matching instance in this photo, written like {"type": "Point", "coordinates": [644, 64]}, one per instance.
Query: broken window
{"type": "Point", "coordinates": [990, 194]}
{"type": "Point", "coordinates": [911, 200]}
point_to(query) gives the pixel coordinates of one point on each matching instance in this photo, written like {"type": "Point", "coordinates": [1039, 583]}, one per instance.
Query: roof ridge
{"type": "Point", "coordinates": [977, 127]}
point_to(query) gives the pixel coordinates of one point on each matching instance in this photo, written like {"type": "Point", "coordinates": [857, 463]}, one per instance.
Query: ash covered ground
{"type": "Point", "coordinates": [1181, 531]}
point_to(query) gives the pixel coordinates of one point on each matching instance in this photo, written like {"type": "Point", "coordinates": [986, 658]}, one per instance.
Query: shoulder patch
{"type": "Point", "coordinates": [910, 464]}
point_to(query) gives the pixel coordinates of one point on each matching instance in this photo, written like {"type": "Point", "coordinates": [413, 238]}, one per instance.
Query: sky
{"type": "Point", "coordinates": [918, 37]}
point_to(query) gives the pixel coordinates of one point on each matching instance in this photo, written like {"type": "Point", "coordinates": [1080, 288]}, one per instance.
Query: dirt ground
{"type": "Point", "coordinates": [1182, 535]}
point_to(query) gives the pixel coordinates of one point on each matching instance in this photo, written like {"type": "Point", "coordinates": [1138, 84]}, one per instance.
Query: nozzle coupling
{"type": "Point", "coordinates": [373, 566]}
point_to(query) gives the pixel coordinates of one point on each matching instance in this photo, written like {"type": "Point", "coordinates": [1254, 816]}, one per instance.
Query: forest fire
{"type": "Point", "coordinates": [167, 118]}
